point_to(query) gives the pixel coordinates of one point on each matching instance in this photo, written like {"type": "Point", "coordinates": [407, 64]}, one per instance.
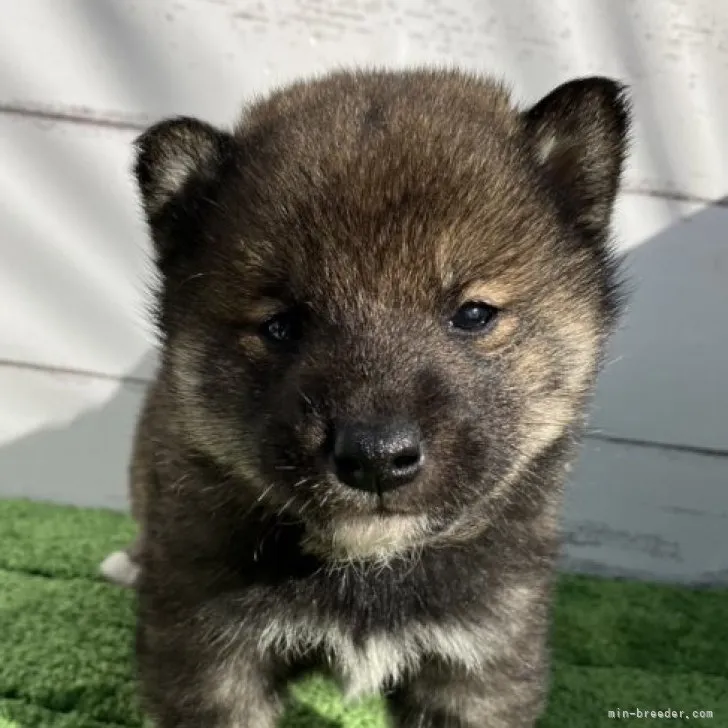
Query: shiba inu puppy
{"type": "Point", "coordinates": [384, 299]}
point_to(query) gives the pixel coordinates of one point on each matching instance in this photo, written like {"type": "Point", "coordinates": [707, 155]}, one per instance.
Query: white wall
{"type": "Point", "coordinates": [80, 78]}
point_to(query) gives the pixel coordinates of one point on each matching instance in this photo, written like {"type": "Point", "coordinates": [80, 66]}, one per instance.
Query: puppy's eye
{"type": "Point", "coordinates": [282, 328]}
{"type": "Point", "coordinates": [474, 317]}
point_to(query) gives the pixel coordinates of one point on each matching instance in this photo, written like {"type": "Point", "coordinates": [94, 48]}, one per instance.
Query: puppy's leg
{"type": "Point", "coordinates": [506, 697]}
{"type": "Point", "coordinates": [193, 675]}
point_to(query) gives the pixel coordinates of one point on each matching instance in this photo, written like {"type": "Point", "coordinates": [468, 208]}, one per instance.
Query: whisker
{"type": "Point", "coordinates": [308, 401]}
{"type": "Point", "coordinates": [257, 501]}
{"type": "Point", "coordinates": [286, 505]}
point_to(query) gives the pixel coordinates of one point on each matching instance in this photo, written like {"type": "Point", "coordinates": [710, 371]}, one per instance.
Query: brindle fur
{"type": "Point", "coordinates": [375, 202]}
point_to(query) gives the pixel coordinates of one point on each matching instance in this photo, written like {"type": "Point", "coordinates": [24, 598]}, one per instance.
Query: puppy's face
{"type": "Point", "coordinates": [385, 294]}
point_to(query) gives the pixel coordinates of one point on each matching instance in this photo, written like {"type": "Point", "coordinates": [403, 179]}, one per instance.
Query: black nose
{"type": "Point", "coordinates": [377, 457]}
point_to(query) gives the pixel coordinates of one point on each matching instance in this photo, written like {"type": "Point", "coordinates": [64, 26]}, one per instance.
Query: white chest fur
{"type": "Point", "coordinates": [381, 657]}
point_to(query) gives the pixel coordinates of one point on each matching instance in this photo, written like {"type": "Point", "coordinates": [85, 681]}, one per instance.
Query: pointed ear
{"type": "Point", "coordinates": [176, 161]}
{"type": "Point", "coordinates": [173, 153]}
{"type": "Point", "coordinates": [579, 135]}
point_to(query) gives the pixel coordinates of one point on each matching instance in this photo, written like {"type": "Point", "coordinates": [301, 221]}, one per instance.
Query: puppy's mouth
{"type": "Point", "coordinates": [377, 536]}
{"type": "Point", "coordinates": [382, 509]}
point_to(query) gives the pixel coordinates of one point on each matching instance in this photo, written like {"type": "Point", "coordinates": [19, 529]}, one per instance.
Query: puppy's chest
{"type": "Point", "coordinates": [374, 627]}
{"type": "Point", "coordinates": [367, 664]}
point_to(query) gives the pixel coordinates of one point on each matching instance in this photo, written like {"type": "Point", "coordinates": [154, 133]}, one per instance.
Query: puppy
{"type": "Point", "coordinates": [384, 301]}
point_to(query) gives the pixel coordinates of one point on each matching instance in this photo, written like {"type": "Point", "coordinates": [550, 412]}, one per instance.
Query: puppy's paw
{"type": "Point", "coordinates": [119, 568]}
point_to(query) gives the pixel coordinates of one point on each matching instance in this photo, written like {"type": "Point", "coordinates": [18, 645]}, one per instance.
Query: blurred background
{"type": "Point", "coordinates": [79, 79]}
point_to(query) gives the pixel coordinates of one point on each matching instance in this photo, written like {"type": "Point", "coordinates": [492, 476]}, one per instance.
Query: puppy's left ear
{"type": "Point", "coordinates": [579, 134]}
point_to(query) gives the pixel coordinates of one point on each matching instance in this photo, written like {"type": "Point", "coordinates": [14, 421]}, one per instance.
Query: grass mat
{"type": "Point", "coordinates": [66, 640]}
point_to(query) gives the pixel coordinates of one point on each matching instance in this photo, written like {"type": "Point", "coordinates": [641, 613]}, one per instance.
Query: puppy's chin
{"type": "Point", "coordinates": [373, 537]}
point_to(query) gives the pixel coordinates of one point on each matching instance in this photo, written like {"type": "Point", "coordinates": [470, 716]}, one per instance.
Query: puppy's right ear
{"type": "Point", "coordinates": [176, 161]}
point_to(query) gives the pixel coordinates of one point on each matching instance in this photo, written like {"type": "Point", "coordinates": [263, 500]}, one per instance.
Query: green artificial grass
{"type": "Point", "coordinates": [66, 640]}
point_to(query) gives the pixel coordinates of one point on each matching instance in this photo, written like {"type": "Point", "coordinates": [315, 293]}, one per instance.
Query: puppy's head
{"type": "Point", "coordinates": [385, 294]}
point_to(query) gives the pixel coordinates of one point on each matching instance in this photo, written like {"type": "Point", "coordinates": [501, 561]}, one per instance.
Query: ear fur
{"type": "Point", "coordinates": [176, 160]}
{"type": "Point", "coordinates": [579, 134]}
{"type": "Point", "coordinates": [172, 153]}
